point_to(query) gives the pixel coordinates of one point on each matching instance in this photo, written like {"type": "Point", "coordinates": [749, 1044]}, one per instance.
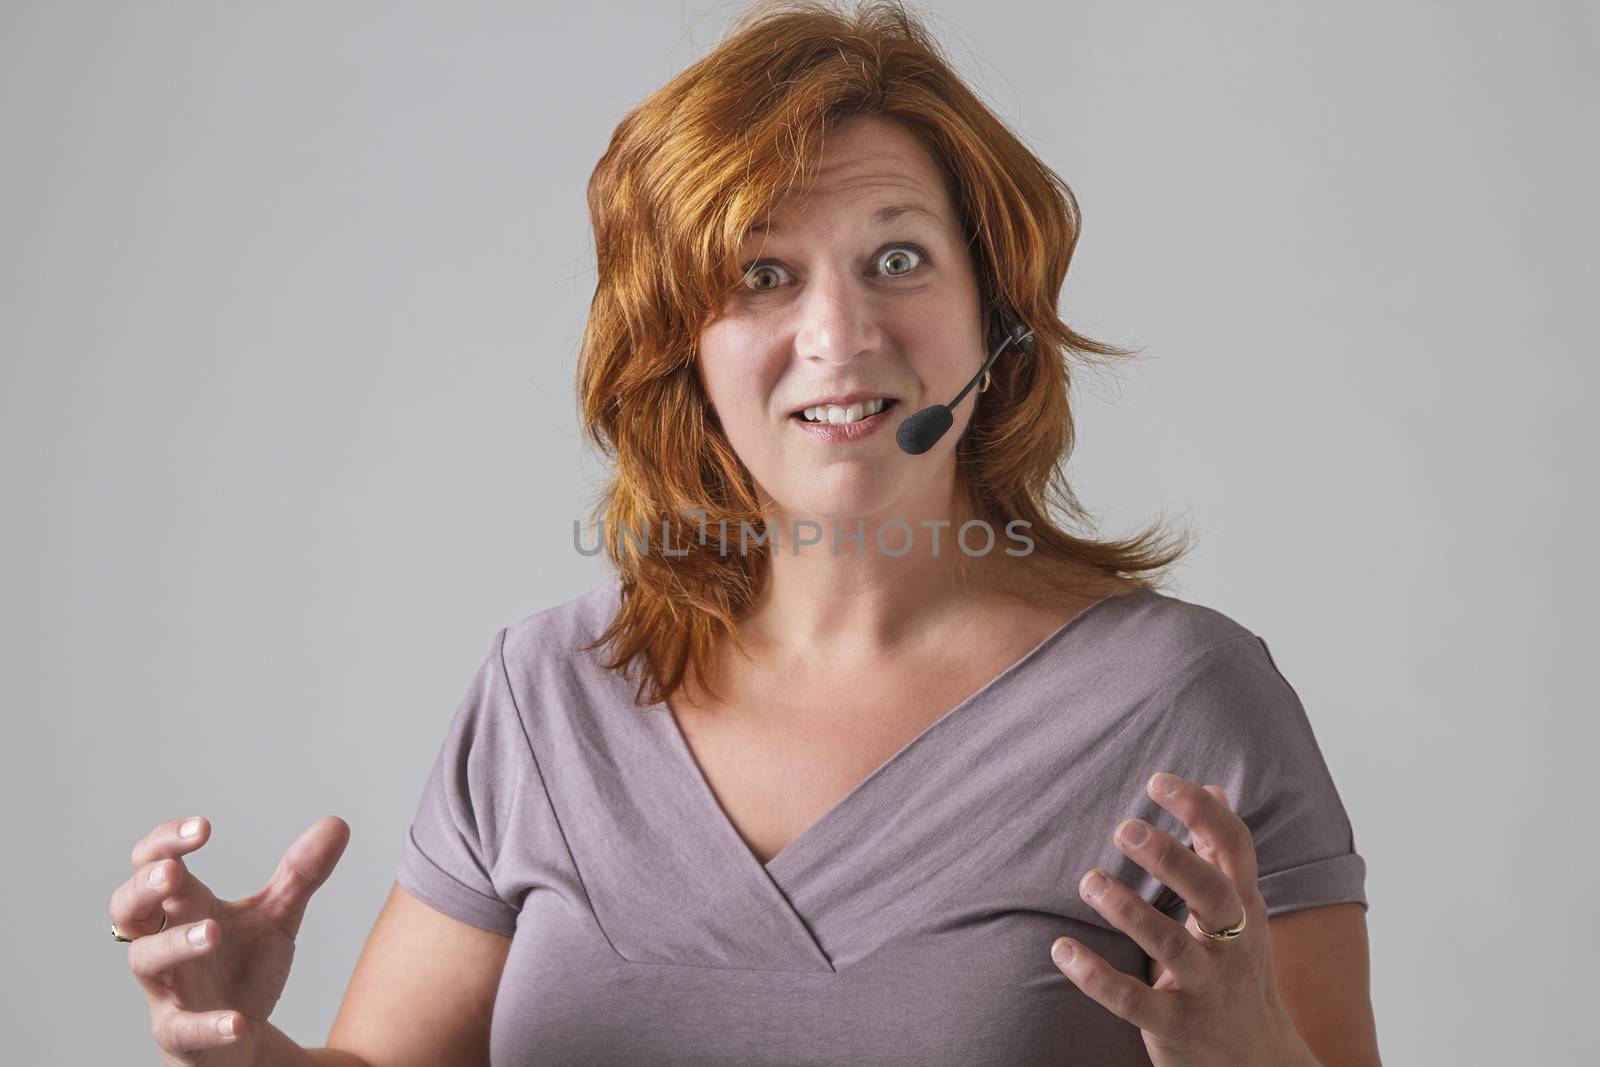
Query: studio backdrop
{"type": "Point", "coordinates": [292, 302]}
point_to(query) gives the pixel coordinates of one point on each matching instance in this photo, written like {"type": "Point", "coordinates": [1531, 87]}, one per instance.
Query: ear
{"type": "Point", "coordinates": [994, 330]}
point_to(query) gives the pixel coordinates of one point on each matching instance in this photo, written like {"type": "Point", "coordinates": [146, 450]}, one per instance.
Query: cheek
{"type": "Point", "coordinates": [739, 379]}
{"type": "Point", "coordinates": [740, 397]}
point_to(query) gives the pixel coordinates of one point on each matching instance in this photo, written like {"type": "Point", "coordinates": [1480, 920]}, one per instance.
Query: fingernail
{"type": "Point", "coordinates": [189, 828]}
{"type": "Point", "coordinates": [1094, 884]}
{"type": "Point", "coordinates": [158, 876]}
{"type": "Point", "coordinates": [197, 935]}
{"type": "Point", "coordinates": [1134, 833]}
{"type": "Point", "coordinates": [1062, 952]}
{"type": "Point", "coordinates": [225, 1026]}
{"type": "Point", "coordinates": [1163, 784]}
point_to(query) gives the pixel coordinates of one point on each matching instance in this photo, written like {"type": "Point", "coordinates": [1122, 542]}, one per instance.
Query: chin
{"type": "Point", "coordinates": [847, 499]}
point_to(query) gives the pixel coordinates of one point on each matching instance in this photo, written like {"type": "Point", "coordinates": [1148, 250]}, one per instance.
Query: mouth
{"type": "Point", "coordinates": [819, 415]}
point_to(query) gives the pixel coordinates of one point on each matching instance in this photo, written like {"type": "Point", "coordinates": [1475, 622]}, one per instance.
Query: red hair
{"type": "Point", "coordinates": [686, 174]}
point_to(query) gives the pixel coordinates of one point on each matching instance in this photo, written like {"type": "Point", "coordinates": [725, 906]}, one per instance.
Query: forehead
{"type": "Point", "coordinates": [881, 216]}
{"type": "Point", "coordinates": [874, 169]}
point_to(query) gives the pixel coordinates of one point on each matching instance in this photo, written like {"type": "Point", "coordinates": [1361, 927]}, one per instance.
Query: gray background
{"type": "Point", "coordinates": [291, 304]}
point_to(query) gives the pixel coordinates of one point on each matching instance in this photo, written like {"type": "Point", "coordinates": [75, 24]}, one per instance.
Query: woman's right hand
{"type": "Point", "coordinates": [238, 970]}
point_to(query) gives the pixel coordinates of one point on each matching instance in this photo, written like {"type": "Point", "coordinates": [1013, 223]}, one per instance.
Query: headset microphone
{"type": "Point", "coordinates": [922, 429]}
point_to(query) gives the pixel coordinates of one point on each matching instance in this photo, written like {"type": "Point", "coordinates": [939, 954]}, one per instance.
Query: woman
{"type": "Point", "coordinates": [834, 797]}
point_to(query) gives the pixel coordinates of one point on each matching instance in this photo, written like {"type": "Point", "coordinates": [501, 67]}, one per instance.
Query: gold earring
{"type": "Point", "coordinates": [987, 380]}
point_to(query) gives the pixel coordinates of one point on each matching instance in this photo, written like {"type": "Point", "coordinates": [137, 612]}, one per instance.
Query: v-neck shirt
{"type": "Point", "coordinates": [912, 922]}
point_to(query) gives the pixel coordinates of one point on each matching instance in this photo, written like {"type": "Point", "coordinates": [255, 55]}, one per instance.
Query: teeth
{"type": "Point", "coordinates": [836, 415]}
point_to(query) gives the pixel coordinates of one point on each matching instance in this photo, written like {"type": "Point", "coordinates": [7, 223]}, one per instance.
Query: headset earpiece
{"type": "Point", "coordinates": [1002, 326]}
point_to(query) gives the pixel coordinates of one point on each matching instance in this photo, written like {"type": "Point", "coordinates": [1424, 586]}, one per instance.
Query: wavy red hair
{"type": "Point", "coordinates": [687, 172]}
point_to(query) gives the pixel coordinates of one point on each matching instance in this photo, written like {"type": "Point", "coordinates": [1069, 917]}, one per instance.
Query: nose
{"type": "Point", "coordinates": [837, 322]}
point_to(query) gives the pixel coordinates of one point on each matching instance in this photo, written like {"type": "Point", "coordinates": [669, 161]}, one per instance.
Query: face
{"type": "Point", "coordinates": [838, 301]}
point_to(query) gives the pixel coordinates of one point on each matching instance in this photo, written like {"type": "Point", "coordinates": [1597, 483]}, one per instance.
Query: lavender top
{"type": "Point", "coordinates": [912, 923]}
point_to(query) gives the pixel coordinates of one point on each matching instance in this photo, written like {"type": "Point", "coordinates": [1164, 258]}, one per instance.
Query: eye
{"type": "Point", "coordinates": [898, 252]}
{"type": "Point", "coordinates": [757, 271]}
{"type": "Point", "coordinates": [891, 254]}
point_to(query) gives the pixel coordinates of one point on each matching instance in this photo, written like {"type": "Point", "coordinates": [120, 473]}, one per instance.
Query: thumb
{"type": "Point", "coordinates": [307, 863]}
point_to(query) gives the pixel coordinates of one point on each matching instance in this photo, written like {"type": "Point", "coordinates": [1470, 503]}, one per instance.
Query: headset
{"type": "Point", "coordinates": [922, 429]}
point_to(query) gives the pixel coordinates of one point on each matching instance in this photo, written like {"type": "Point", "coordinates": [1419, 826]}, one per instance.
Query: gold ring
{"type": "Point", "coordinates": [116, 934]}
{"type": "Point", "coordinates": [1224, 935]}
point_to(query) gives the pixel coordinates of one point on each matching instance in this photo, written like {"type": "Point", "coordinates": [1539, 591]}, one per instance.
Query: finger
{"type": "Point", "coordinates": [1210, 894]}
{"type": "Point", "coordinates": [1220, 836]}
{"type": "Point", "coordinates": [167, 839]}
{"type": "Point", "coordinates": [151, 958]}
{"type": "Point", "coordinates": [1123, 995]}
{"type": "Point", "coordinates": [138, 905]}
{"type": "Point", "coordinates": [306, 865]}
{"type": "Point", "coordinates": [1162, 937]}
{"type": "Point", "coordinates": [179, 1031]}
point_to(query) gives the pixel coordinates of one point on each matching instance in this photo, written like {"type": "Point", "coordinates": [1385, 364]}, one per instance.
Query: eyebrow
{"type": "Point", "coordinates": [884, 215]}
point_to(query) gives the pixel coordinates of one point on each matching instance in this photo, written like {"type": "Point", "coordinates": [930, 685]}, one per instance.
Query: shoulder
{"type": "Point", "coordinates": [1163, 635]}
{"type": "Point", "coordinates": [1207, 675]}
{"type": "Point", "coordinates": [1164, 654]}
{"type": "Point", "coordinates": [1139, 629]}
{"type": "Point", "coordinates": [562, 631]}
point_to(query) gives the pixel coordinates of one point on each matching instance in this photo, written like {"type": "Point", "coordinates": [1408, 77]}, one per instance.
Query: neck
{"type": "Point", "coordinates": [860, 603]}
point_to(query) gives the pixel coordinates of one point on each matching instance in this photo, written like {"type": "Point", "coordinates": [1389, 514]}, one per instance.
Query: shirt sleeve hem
{"type": "Point", "coordinates": [1334, 880]}
{"type": "Point", "coordinates": [434, 886]}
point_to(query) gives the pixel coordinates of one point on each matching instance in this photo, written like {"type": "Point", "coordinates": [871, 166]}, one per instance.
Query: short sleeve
{"type": "Point", "coordinates": [1232, 719]}
{"type": "Point", "coordinates": [449, 855]}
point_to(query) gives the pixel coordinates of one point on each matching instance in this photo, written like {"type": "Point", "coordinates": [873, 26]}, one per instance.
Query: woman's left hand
{"type": "Point", "coordinates": [1217, 1003]}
